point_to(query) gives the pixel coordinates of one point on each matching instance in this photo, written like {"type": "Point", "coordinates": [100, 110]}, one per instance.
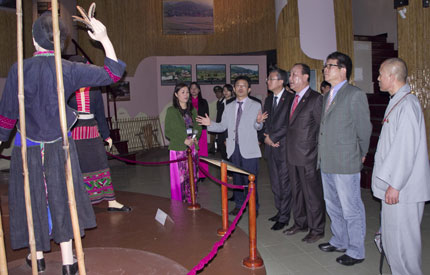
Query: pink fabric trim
{"type": "Point", "coordinates": [7, 123]}
{"type": "Point", "coordinates": [102, 175]}
{"type": "Point", "coordinates": [83, 107]}
{"type": "Point", "coordinates": [203, 151]}
{"type": "Point", "coordinates": [85, 132]}
{"type": "Point", "coordinates": [115, 78]}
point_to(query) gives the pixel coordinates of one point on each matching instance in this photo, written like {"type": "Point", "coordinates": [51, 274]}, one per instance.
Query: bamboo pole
{"type": "Point", "coordinates": [224, 201]}
{"type": "Point", "coordinates": [253, 261]}
{"type": "Point", "coordinates": [28, 208]}
{"type": "Point", "coordinates": [3, 261]}
{"type": "Point", "coordinates": [193, 205]}
{"type": "Point", "coordinates": [63, 122]}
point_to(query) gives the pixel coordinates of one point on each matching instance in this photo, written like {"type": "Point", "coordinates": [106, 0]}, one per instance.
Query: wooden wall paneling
{"type": "Point", "coordinates": [8, 37]}
{"type": "Point", "coordinates": [135, 28]}
{"type": "Point", "coordinates": [413, 44]}
{"type": "Point", "coordinates": [288, 36]}
{"type": "Point", "coordinates": [8, 45]}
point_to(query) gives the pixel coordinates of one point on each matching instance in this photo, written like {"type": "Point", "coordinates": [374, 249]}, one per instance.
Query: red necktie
{"type": "Point", "coordinates": [295, 103]}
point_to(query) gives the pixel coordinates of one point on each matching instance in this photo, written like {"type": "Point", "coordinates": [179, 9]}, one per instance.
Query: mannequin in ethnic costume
{"type": "Point", "coordinates": [86, 132]}
{"type": "Point", "coordinates": [45, 154]}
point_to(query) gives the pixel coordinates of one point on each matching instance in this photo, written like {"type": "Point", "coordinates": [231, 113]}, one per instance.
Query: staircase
{"type": "Point", "coordinates": [378, 101]}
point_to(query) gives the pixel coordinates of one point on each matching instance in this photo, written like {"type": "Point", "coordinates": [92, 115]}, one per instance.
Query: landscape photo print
{"type": "Point", "coordinates": [188, 17]}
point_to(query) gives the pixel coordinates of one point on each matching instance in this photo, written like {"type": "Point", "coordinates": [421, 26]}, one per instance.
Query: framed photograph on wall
{"type": "Point", "coordinates": [172, 74]}
{"type": "Point", "coordinates": [211, 74]}
{"type": "Point", "coordinates": [120, 90]}
{"type": "Point", "coordinates": [249, 70]}
{"type": "Point", "coordinates": [188, 16]}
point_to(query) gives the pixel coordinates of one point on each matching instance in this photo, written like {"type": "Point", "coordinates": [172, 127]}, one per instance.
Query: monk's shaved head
{"type": "Point", "coordinates": [396, 67]}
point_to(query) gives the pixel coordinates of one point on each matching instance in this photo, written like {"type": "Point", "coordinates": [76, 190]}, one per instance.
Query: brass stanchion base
{"type": "Point", "coordinates": [194, 207]}
{"type": "Point", "coordinates": [253, 263]}
{"type": "Point", "coordinates": [221, 232]}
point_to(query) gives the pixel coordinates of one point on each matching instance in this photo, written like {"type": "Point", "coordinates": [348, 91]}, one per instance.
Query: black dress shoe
{"type": "Point", "coordinates": [294, 229]}
{"type": "Point", "coordinates": [278, 226]}
{"type": "Point", "coordinates": [327, 247]}
{"type": "Point", "coordinates": [70, 269]}
{"type": "Point", "coordinates": [40, 263]}
{"type": "Point", "coordinates": [274, 218]}
{"type": "Point", "coordinates": [347, 260]}
{"type": "Point", "coordinates": [311, 237]}
{"type": "Point", "coordinates": [234, 212]}
{"type": "Point", "coordinates": [122, 209]}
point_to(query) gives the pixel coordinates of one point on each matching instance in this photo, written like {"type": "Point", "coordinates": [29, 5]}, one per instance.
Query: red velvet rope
{"type": "Point", "coordinates": [4, 157]}
{"type": "Point", "coordinates": [221, 242]}
{"type": "Point", "coordinates": [231, 186]}
{"type": "Point", "coordinates": [145, 163]}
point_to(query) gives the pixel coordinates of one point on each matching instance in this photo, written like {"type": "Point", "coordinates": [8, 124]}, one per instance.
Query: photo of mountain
{"type": "Point", "coordinates": [188, 17]}
{"type": "Point", "coordinates": [249, 70]}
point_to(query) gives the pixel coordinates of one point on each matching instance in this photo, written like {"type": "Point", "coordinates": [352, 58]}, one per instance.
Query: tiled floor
{"type": "Point", "coordinates": [282, 255]}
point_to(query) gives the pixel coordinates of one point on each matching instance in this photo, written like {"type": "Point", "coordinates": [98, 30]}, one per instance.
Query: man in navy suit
{"type": "Point", "coordinates": [275, 131]}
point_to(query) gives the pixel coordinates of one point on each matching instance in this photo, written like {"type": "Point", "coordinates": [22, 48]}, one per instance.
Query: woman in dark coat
{"type": "Point", "coordinates": [202, 107]}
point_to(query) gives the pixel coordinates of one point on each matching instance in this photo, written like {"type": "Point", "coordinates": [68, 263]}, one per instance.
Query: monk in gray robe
{"type": "Point", "coordinates": [401, 172]}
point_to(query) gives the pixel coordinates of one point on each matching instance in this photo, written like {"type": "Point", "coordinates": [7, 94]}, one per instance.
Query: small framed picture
{"type": "Point", "coordinates": [211, 74]}
{"type": "Point", "coordinates": [250, 71]}
{"type": "Point", "coordinates": [188, 16]}
{"type": "Point", "coordinates": [120, 91]}
{"type": "Point", "coordinates": [173, 74]}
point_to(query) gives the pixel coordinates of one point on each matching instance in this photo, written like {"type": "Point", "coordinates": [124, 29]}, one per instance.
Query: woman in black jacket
{"type": "Point", "coordinates": [202, 107]}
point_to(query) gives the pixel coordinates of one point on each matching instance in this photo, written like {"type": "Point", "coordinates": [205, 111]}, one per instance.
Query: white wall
{"type": "Point", "coordinates": [372, 17]}
{"type": "Point", "coordinates": [363, 65]}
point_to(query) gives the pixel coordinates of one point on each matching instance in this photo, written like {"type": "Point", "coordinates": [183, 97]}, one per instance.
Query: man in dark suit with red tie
{"type": "Point", "coordinates": [302, 150]}
{"type": "Point", "coordinates": [275, 131]}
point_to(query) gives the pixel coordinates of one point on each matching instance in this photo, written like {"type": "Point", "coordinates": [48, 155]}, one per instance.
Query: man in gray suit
{"type": "Point", "coordinates": [344, 137]}
{"type": "Point", "coordinates": [242, 119]}
{"type": "Point", "coordinates": [401, 173]}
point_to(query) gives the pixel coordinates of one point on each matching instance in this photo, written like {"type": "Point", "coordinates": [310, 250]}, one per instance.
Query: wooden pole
{"type": "Point", "coordinates": [193, 205]}
{"type": "Point", "coordinates": [3, 261]}
{"type": "Point", "coordinates": [253, 261]}
{"type": "Point", "coordinates": [224, 200]}
{"type": "Point", "coordinates": [63, 122]}
{"type": "Point", "coordinates": [28, 208]}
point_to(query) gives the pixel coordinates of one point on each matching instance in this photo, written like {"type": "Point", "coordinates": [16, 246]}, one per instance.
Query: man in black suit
{"type": "Point", "coordinates": [275, 132]}
{"type": "Point", "coordinates": [302, 151]}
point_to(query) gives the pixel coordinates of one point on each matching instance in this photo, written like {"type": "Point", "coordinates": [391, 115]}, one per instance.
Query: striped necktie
{"type": "Point", "coordinates": [238, 116]}
{"type": "Point", "coordinates": [330, 99]}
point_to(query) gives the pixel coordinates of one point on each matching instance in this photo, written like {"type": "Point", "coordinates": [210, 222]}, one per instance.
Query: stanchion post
{"type": "Point", "coordinates": [3, 262]}
{"type": "Point", "coordinates": [253, 261]}
{"type": "Point", "coordinates": [193, 205]}
{"type": "Point", "coordinates": [224, 202]}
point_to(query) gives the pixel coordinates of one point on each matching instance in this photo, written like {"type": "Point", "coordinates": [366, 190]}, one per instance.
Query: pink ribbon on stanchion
{"type": "Point", "coordinates": [221, 242]}
{"type": "Point", "coordinates": [144, 163]}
